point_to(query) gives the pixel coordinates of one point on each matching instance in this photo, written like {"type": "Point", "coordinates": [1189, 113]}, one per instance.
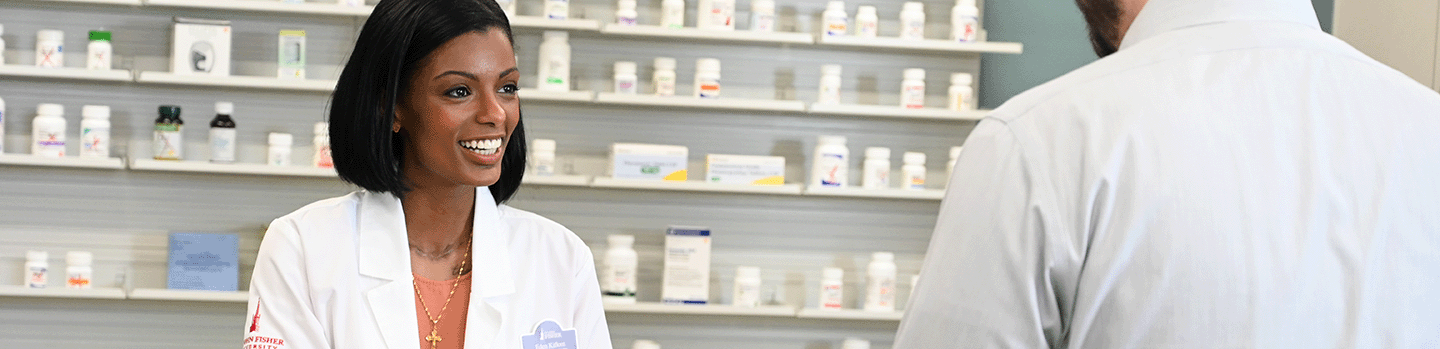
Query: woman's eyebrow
{"type": "Point", "coordinates": [457, 72]}
{"type": "Point", "coordinates": [509, 71]}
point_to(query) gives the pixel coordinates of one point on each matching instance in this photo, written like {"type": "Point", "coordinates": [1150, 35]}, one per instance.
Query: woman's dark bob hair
{"type": "Point", "coordinates": [396, 38]}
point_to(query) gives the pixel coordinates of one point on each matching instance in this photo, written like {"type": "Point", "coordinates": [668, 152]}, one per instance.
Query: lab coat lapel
{"type": "Point", "coordinates": [493, 278]}
{"type": "Point", "coordinates": [384, 254]}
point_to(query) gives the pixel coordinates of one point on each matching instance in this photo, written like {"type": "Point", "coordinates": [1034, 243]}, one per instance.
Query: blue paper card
{"type": "Point", "coordinates": [204, 262]}
{"type": "Point", "coordinates": [549, 335]}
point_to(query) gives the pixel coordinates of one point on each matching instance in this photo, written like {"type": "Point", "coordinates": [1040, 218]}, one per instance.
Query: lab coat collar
{"type": "Point", "coordinates": [1160, 16]}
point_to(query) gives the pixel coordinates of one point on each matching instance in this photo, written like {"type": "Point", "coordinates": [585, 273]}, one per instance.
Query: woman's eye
{"type": "Point", "coordinates": [510, 89]}
{"type": "Point", "coordinates": [458, 92]}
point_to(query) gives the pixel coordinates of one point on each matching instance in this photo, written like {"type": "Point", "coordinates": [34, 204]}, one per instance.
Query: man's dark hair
{"type": "Point", "coordinates": [1103, 18]}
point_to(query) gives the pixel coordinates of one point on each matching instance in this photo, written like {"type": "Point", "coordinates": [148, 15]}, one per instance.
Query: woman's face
{"type": "Point", "coordinates": [459, 112]}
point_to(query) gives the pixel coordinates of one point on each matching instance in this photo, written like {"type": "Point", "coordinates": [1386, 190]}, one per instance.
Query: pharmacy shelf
{"type": "Point", "coordinates": [97, 2]}
{"type": "Point", "coordinates": [560, 181]}
{"type": "Point", "coordinates": [537, 22]}
{"type": "Point", "coordinates": [270, 6]}
{"type": "Point", "coordinates": [157, 294]}
{"type": "Point", "coordinates": [703, 35]}
{"type": "Point", "coordinates": [849, 314]}
{"type": "Point", "coordinates": [60, 292]}
{"type": "Point", "coordinates": [68, 161]}
{"type": "Point", "coordinates": [719, 310]}
{"type": "Point", "coordinates": [232, 168]}
{"type": "Point", "coordinates": [116, 75]}
{"type": "Point", "coordinates": [927, 194]}
{"type": "Point", "coordinates": [697, 186]}
{"type": "Point", "coordinates": [552, 96]}
{"type": "Point", "coordinates": [881, 111]}
{"type": "Point", "coordinates": [255, 82]}
{"type": "Point", "coordinates": [698, 103]}
{"type": "Point", "coordinates": [922, 45]}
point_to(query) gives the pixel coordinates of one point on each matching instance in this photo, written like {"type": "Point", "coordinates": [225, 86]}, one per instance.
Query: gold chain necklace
{"type": "Point", "coordinates": [434, 337]}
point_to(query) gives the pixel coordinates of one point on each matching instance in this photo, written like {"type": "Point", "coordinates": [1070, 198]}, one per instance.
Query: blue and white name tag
{"type": "Point", "coordinates": [549, 335]}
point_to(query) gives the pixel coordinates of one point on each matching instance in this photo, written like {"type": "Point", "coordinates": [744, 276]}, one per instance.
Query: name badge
{"type": "Point", "coordinates": [549, 335]}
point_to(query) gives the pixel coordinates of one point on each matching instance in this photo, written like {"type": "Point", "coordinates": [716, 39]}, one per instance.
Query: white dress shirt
{"type": "Point", "coordinates": [1232, 178]}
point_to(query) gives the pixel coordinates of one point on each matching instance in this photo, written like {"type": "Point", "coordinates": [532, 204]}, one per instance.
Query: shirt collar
{"type": "Point", "coordinates": [1160, 16]}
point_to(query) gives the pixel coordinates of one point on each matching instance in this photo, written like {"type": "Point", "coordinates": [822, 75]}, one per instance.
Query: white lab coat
{"type": "Point", "coordinates": [336, 274]}
{"type": "Point", "coordinates": [1232, 178]}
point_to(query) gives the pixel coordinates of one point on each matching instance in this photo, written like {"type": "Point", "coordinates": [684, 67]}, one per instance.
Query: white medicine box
{"type": "Point", "coordinates": [201, 47]}
{"type": "Point", "coordinates": [649, 162]}
{"type": "Point", "coordinates": [744, 169]}
{"type": "Point", "coordinates": [687, 266]}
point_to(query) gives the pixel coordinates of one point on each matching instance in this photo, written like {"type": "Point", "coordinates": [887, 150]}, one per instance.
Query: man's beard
{"type": "Point", "coordinates": [1103, 17]}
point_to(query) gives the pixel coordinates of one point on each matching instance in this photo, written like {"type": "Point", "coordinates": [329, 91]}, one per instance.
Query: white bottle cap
{"type": "Point", "coordinates": [627, 5]}
{"type": "Point", "coordinates": [832, 140]}
{"type": "Point", "coordinates": [625, 68]}
{"type": "Point", "coordinates": [764, 6]}
{"type": "Point", "coordinates": [914, 74]}
{"type": "Point", "coordinates": [831, 69]}
{"type": "Point", "coordinates": [962, 79]}
{"type": "Point", "coordinates": [914, 158]}
{"type": "Point", "coordinates": [955, 152]}
{"type": "Point", "coordinates": [914, 6]}
{"type": "Point", "coordinates": [664, 63]}
{"type": "Point", "coordinates": [50, 109]}
{"type": "Point", "coordinates": [833, 273]}
{"type": "Point", "coordinates": [865, 11]}
{"type": "Point", "coordinates": [966, 3]}
{"type": "Point", "coordinates": [747, 272]}
{"type": "Point", "coordinates": [835, 6]}
{"type": "Point", "coordinates": [620, 240]}
{"type": "Point", "coordinates": [877, 153]}
{"type": "Point", "coordinates": [544, 145]}
{"type": "Point", "coordinates": [322, 129]}
{"type": "Point", "coordinates": [98, 112]}
{"type": "Point", "coordinates": [855, 343]}
{"type": "Point", "coordinates": [78, 258]}
{"type": "Point", "coordinates": [645, 344]}
{"type": "Point", "coordinates": [882, 256]}
{"type": "Point", "coordinates": [557, 35]}
{"type": "Point", "coordinates": [225, 108]}
{"type": "Point", "coordinates": [281, 139]}
{"type": "Point", "coordinates": [50, 35]}
{"type": "Point", "coordinates": [36, 256]}
{"type": "Point", "coordinates": [708, 65]}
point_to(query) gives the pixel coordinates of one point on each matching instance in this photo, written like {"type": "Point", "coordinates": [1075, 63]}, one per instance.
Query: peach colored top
{"type": "Point", "coordinates": [452, 323]}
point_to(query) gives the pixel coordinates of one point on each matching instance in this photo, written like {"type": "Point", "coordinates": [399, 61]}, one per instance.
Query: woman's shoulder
{"type": "Point", "coordinates": [326, 211]}
{"type": "Point", "coordinates": [526, 224]}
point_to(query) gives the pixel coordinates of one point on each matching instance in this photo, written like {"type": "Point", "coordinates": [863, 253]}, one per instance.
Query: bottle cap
{"type": "Point", "coordinates": [835, 6]}
{"type": "Point", "coordinates": [833, 273]}
{"type": "Point", "coordinates": [50, 109]}
{"type": "Point", "coordinates": [281, 139]}
{"type": "Point", "coordinates": [224, 108]}
{"type": "Point", "coordinates": [831, 69]}
{"type": "Point", "coordinates": [557, 35]}
{"type": "Point", "coordinates": [707, 65]}
{"type": "Point", "coordinates": [322, 129]}
{"type": "Point", "coordinates": [914, 6]}
{"type": "Point", "coordinates": [78, 258]}
{"type": "Point", "coordinates": [170, 111]}
{"type": "Point", "coordinates": [36, 256]}
{"type": "Point", "coordinates": [877, 153]}
{"type": "Point", "coordinates": [855, 343]}
{"type": "Point", "coordinates": [867, 11]}
{"type": "Point", "coordinates": [625, 68]}
{"type": "Point", "coordinates": [747, 272]}
{"type": "Point", "coordinates": [955, 152]}
{"type": "Point", "coordinates": [962, 79]}
{"type": "Point", "coordinates": [645, 344]}
{"type": "Point", "coordinates": [99, 35]}
{"type": "Point", "coordinates": [664, 63]}
{"type": "Point", "coordinates": [882, 256]}
{"type": "Point", "coordinates": [764, 6]}
{"type": "Point", "coordinates": [627, 5]}
{"type": "Point", "coordinates": [620, 240]}
{"type": "Point", "coordinates": [50, 35]}
{"type": "Point", "coordinates": [99, 112]}
{"type": "Point", "coordinates": [832, 140]}
{"type": "Point", "coordinates": [914, 158]}
{"type": "Point", "coordinates": [914, 74]}
{"type": "Point", "coordinates": [966, 3]}
{"type": "Point", "coordinates": [544, 145]}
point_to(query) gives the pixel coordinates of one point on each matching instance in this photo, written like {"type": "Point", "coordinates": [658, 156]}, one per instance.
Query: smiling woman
{"type": "Point", "coordinates": [426, 119]}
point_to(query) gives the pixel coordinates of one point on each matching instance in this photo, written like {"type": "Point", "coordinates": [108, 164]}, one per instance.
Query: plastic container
{"type": "Point", "coordinates": [554, 72]}
{"type": "Point", "coordinates": [37, 269]}
{"type": "Point", "coordinates": [747, 287]}
{"type": "Point", "coordinates": [762, 16]}
{"type": "Point", "coordinates": [323, 157]}
{"type": "Point", "coordinates": [950, 167]}
{"type": "Point", "coordinates": [912, 21]}
{"type": "Point", "coordinates": [914, 171]}
{"type": "Point", "coordinates": [877, 168]}
{"type": "Point", "coordinates": [672, 14]}
{"type": "Point", "coordinates": [542, 156]}
{"type": "Point", "coordinates": [664, 77]}
{"type": "Point", "coordinates": [829, 84]}
{"type": "Point", "coordinates": [50, 49]}
{"type": "Point", "coordinates": [855, 343]}
{"type": "Point", "coordinates": [280, 144]}
{"type": "Point", "coordinates": [965, 21]}
{"type": "Point", "coordinates": [831, 166]}
{"type": "Point", "coordinates": [168, 142]}
{"type": "Point", "coordinates": [626, 80]}
{"type": "Point", "coordinates": [557, 9]}
{"type": "Point", "coordinates": [47, 136]}
{"type": "Point", "coordinates": [645, 344]}
{"type": "Point", "coordinates": [717, 15]}
{"type": "Point", "coordinates": [707, 78]}
{"type": "Point", "coordinates": [625, 14]}
{"type": "Point", "coordinates": [880, 290]}
{"type": "Point", "coordinates": [962, 94]}
{"type": "Point", "coordinates": [78, 272]}
{"type": "Point", "coordinates": [832, 289]}
{"type": "Point", "coordinates": [912, 90]}
{"type": "Point", "coordinates": [222, 134]}
{"type": "Point", "coordinates": [95, 131]}
{"type": "Point", "coordinates": [619, 270]}
{"type": "Point", "coordinates": [98, 53]}
{"type": "Point", "coordinates": [867, 22]}
{"type": "Point", "coordinates": [836, 21]}
{"type": "Point", "coordinates": [2, 118]}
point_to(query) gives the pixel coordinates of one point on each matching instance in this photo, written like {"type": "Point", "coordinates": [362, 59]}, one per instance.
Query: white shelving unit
{"type": "Point", "coordinates": [927, 194]}
{"type": "Point", "coordinates": [158, 294]}
{"type": "Point", "coordinates": [930, 45]}
{"type": "Point", "coordinates": [255, 82]}
{"type": "Point", "coordinates": [537, 22]}
{"type": "Point", "coordinates": [698, 103]}
{"type": "Point", "coordinates": [849, 314]}
{"type": "Point", "coordinates": [97, 2]}
{"type": "Point", "coordinates": [69, 161]}
{"type": "Point", "coordinates": [534, 94]}
{"type": "Point", "coordinates": [702, 35]}
{"type": "Point", "coordinates": [116, 75]}
{"type": "Point", "coordinates": [715, 310]}
{"type": "Point", "coordinates": [881, 111]}
{"type": "Point", "coordinates": [696, 186]}
{"type": "Point", "coordinates": [233, 168]}
{"type": "Point", "coordinates": [313, 8]}
{"type": "Point", "coordinates": [558, 181]}
{"type": "Point", "coordinates": [61, 292]}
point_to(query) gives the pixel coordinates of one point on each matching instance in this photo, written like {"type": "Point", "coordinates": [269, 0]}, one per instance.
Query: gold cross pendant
{"type": "Point", "coordinates": [434, 338]}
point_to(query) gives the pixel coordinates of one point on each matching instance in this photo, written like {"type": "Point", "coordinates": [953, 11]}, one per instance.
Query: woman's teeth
{"type": "Point", "coordinates": [483, 147]}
